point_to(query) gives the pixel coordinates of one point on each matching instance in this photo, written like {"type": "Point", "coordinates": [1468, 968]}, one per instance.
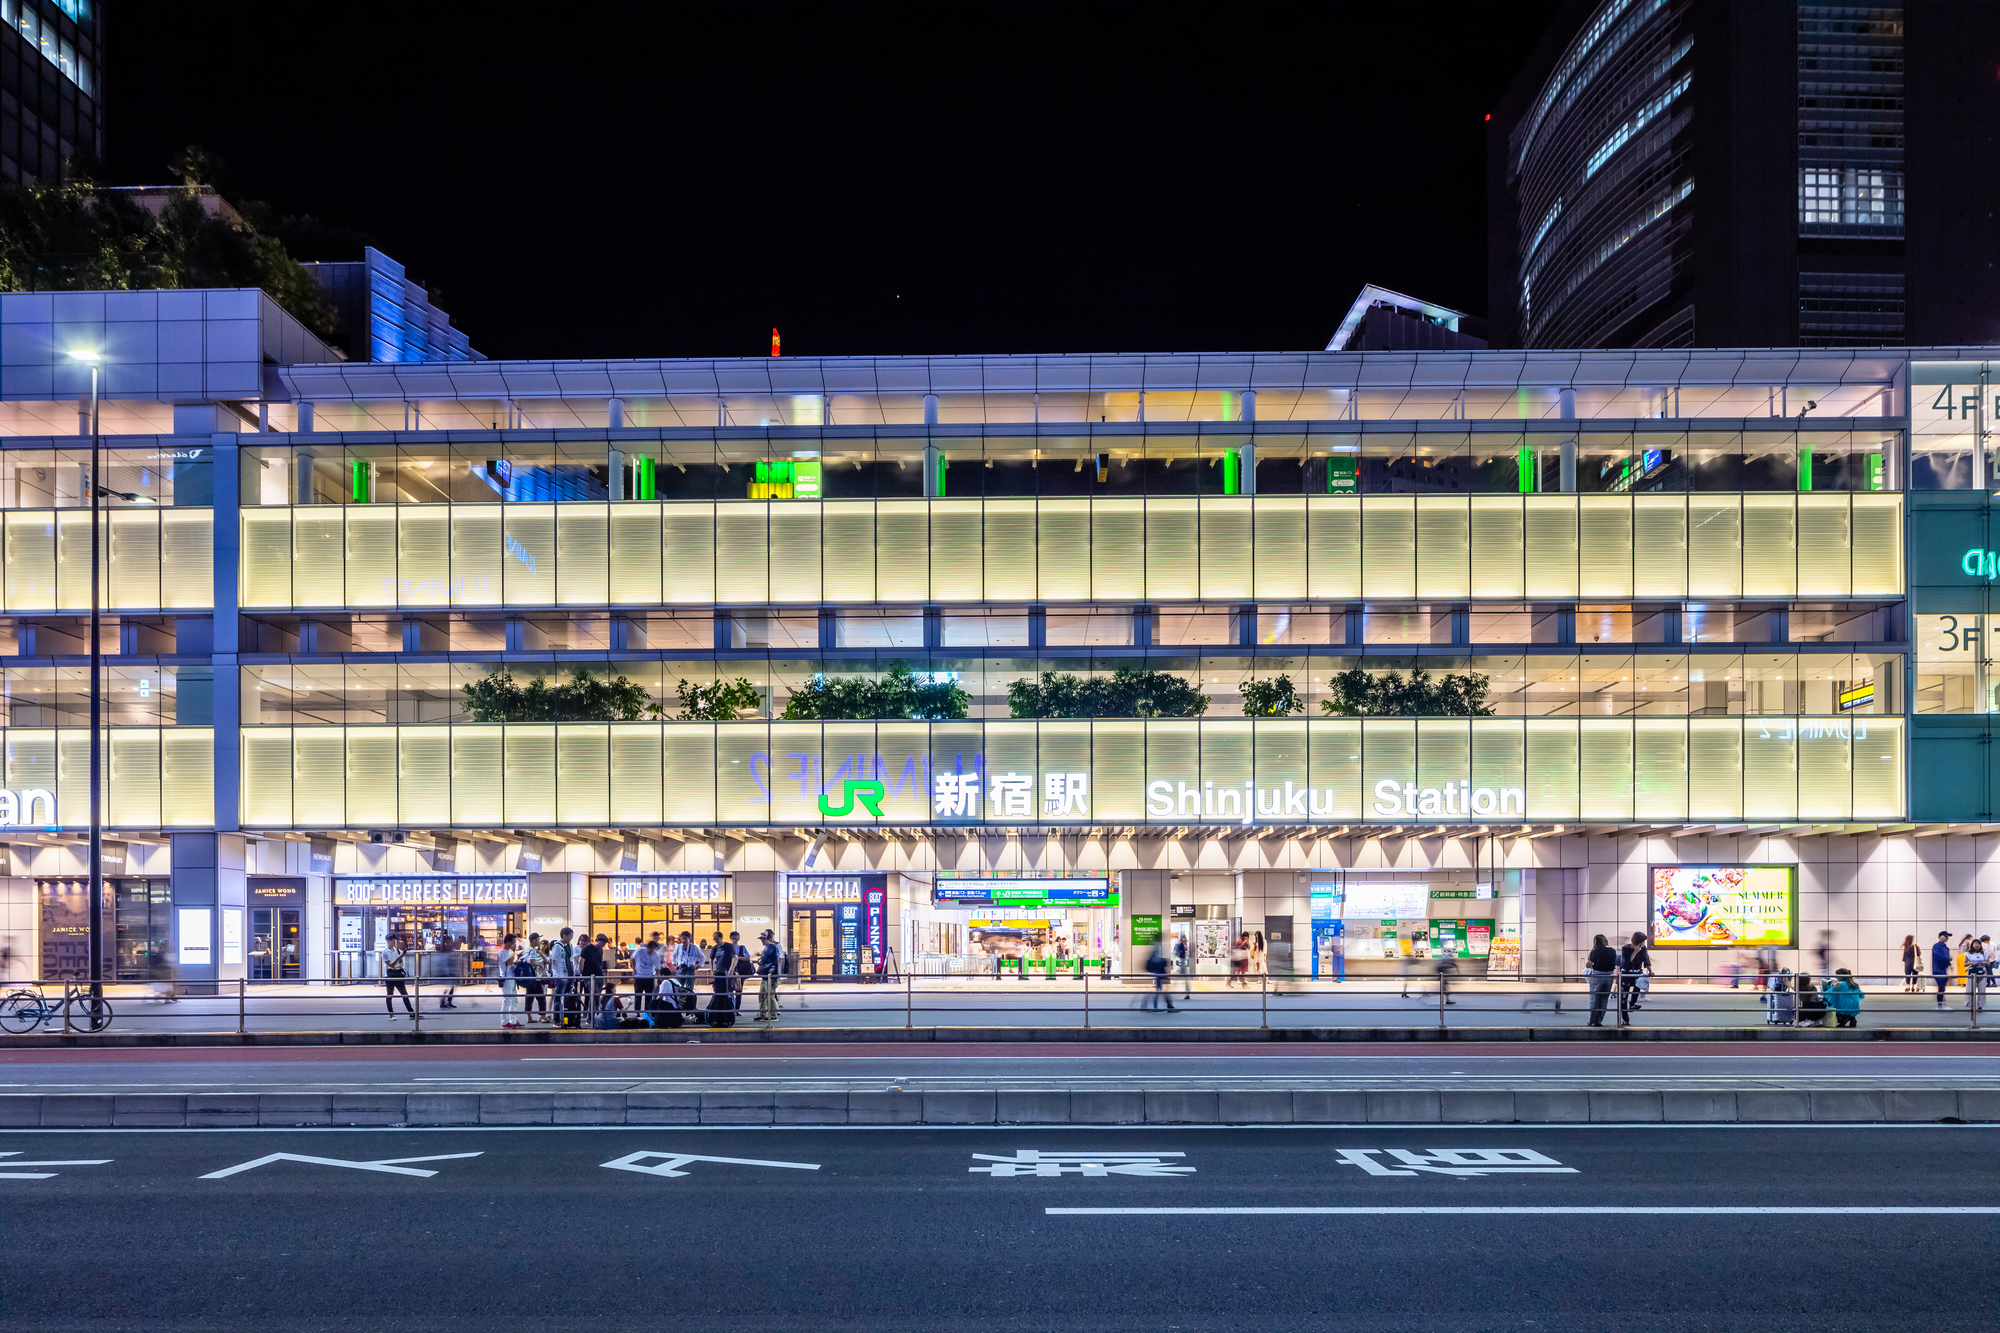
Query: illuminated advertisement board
{"type": "Point", "coordinates": [1723, 907]}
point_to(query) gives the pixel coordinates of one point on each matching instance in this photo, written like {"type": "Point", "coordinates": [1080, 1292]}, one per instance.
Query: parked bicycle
{"type": "Point", "coordinates": [27, 1008]}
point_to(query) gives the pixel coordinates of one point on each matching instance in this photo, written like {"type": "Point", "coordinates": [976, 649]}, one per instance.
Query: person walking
{"type": "Point", "coordinates": [454, 959]}
{"type": "Point", "coordinates": [1844, 998]}
{"type": "Point", "coordinates": [1600, 970]}
{"type": "Point", "coordinates": [767, 978]}
{"type": "Point", "coordinates": [1635, 967]}
{"type": "Point", "coordinates": [1185, 966]}
{"type": "Point", "coordinates": [1239, 960]}
{"type": "Point", "coordinates": [1825, 952]}
{"type": "Point", "coordinates": [1911, 982]}
{"type": "Point", "coordinates": [1941, 964]}
{"type": "Point", "coordinates": [510, 999]}
{"type": "Point", "coordinates": [395, 961]}
{"type": "Point", "coordinates": [1157, 964]}
{"type": "Point", "coordinates": [647, 960]}
{"type": "Point", "coordinates": [1259, 963]}
{"type": "Point", "coordinates": [562, 979]}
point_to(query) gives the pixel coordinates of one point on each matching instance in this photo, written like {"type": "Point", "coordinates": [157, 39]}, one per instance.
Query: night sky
{"type": "Point", "coordinates": [576, 180]}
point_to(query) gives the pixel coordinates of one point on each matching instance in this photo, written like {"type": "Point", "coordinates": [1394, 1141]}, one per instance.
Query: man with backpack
{"type": "Point", "coordinates": [562, 978]}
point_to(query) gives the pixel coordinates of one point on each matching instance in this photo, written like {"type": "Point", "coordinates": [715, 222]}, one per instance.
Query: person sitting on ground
{"type": "Point", "coordinates": [1812, 1005]}
{"type": "Point", "coordinates": [1844, 998]}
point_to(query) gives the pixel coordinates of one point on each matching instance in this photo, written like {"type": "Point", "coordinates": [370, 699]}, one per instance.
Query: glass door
{"type": "Point", "coordinates": [263, 943]}
{"type": "Point", "coordinates": [813, 942]}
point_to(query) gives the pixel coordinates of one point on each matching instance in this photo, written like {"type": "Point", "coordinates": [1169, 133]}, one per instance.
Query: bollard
{"type": "Point", "coordinates": [417, 1000]}
{"type": "Point", "coordinates": [242, 1006]}
{"type": "Point", "coordinates": [1264, 1001]}
{"type": "Point", "coordinates": [1441, 999]}
{"type": "Point", "coordinates": [909, 999]}
{"type": "Point", "coordinates": [1086, 998]}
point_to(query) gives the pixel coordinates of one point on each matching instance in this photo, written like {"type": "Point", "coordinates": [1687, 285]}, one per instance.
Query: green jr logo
{"type": "Point", "coordinates": [869, 793]}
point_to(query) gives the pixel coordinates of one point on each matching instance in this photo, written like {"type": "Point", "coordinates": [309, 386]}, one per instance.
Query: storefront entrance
{"type": "Point", "coordinates": [275, 943]}
{"type": "Point", "coordinates": [814, 940]}
{"type": "Point", "coordinates": [838, 925]}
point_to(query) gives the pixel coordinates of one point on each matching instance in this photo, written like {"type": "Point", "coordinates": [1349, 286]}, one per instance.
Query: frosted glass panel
{"type": "Point", "coordinates": [134, 573]}
{"type": "Point", "coordinates": [583, 554]}
{"type": "Point", "coordinates": [957, 546]}
{"type": "Point", "coordinates": [849, 550]}
{"type": "Point", "coordinates": [425, 562]}
{"type": "Point", "coordinates": [371, 555]}
{"type": "Point", "coordinates": [477, 761]}
{"type": "Point", "coordinates": [742, 551]}
{"type": "Point", "coordinates": [687, 553]}
{"type": "Point", "coordinates": [583, 774]}
{"type": "Point", "coordinates": [530, 793]}
{"type": "Point", "coordinates": [424, 783]}
{"type": "Point", "coordinates": [266, 782]}
{"type": "Point", "coordinates": [903, 549]}
{"type": "Point", "coordinates": [475, 555]}
{"type": "Point", "coordinates": [1443, 546]}
{"type": "Point", "coordinates": [31, 560]}
{"type": "Point", "coordinates": [187, 559]}
{"type": "Point", "coordinates": [1604, 546]}
{"type": "Point", "coordinates": [132, 772]}
{"type": "Point", "coordinates": [1659, 545]}
{"type": "Point", "coordinates": [319, 776]}
{"type": "Point", "coordinates": [635, 774]}
{"type": "Point", "coordinates": [1715, 546]}
{"type": "Point", "coordinates": [1010, 534]}
{"type": "Point", "coordinates": [1062, 543]}
{"type": "Point", "coordinates": [795, 552]}
{"type": "Point", "coordinates": [635, 554]}
{"type": "Point", "coordinates": [1549, 529]}
{"type": "Point", "coordinates": [1173, 550]}
{"type": "Point", "coordinates": [528, 554]}
{"type": "Point", "coordinates": [1770, 557]}
{"type": "Point", "coordinates": [1715, 768]}
{"type": "Point", "coordinates": [1825, 556]}
{"type": "Point", "coordinates": [1497, 556]}
{"type": "Point", "coordinates": [1605, 765]}
{"type": "Point", "coordinates": [1118, 548]}
{"type": "Point", "coordinates": [266, 573]}
{"type": "Point", "coordinates": [372, 762]}
{"type": "Point", "coordinates": [1826, 782]}
{"type": "Point", "coordinates": [1225, 547]}
{"type": "Point", "coordinates": [1878, 545]}
{"type": "Point", "coordinates": [1551, 770]}
{"type": "Point", "coordinates": [1333, 538]}
{"type": "Point", "coordinates": [1389, 545]}
{"type": "Point", "coordinates": [187, 777]}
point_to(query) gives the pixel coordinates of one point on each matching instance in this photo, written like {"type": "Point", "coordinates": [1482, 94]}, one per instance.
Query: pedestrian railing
{"type": "Point", "coordinates": [687, 1004]}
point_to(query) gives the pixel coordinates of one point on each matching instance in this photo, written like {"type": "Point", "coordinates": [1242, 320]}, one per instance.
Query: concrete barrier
{"type": "Point", "coordinates": [987, 1106]}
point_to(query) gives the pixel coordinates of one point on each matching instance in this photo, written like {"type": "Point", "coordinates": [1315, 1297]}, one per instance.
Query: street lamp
{"type": "Point", "coordinates": [93, 359]}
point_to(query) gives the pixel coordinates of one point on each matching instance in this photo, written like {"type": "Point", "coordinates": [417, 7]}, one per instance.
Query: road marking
{"type": "Point", "coordinates": [1528, 1211]}
{"type": "Point", "coordinates": [1034, 1162]}
{"type": "Point", "coordinates": [387, 1165]}
{"type": "Point", "coordinates": [45, 1175]}
{"type": "Point", "coordinates": [1454, 1162]}
{"type": "Point", "coordinates": [673, 1161]}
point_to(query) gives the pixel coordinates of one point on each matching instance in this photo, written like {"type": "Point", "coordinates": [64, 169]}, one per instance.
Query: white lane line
{"type": "Point", "coordinates": [1530, 1211]}
{"type": "Point", "coordinates": [393, 1166]}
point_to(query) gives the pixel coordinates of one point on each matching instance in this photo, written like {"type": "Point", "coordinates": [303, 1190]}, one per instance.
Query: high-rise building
{"type": "Point", "coordinates": [1705, 173]}
{"type": "Point", "coordinates": [51, 86]}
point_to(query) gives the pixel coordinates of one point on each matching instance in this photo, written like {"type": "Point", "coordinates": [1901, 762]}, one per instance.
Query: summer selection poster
{"type": "Point", "coordinates": [1717, 907]}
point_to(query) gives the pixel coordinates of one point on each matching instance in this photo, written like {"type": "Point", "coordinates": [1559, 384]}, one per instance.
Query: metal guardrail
{"type": "Point", "coordinates": [1260, 1002]}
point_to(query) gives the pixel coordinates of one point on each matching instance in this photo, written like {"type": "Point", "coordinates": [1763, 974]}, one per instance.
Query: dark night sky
{"type": "Point", "coordinates": [576, 180]}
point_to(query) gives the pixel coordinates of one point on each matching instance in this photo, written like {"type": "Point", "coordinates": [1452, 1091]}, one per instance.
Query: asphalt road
{"type": "Point", "coordinates": [689, 1065]}
{"type": "Point", "coordinates": [1826, 1228]}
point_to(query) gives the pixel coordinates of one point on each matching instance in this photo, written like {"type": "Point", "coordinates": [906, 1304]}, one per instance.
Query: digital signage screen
{"type": "Point", "coordinates": [1723, 907]}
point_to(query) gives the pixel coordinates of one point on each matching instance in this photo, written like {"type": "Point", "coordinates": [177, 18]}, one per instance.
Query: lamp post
{"type": "Point", "coordinates": [96, 693]}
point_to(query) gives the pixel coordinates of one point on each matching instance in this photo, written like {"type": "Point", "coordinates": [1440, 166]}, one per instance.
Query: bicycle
{"type": "Point", "coordinates": [26, 1009]}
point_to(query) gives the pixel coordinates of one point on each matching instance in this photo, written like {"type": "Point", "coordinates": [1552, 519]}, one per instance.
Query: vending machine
{"type": "Point", "coordinates": [1329, 952]}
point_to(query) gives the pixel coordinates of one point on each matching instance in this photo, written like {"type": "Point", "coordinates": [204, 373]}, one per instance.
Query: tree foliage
{"type": "Point", "coordinates": [1126, 692]}
{"type": "Point", "coordinates": [896, 694]}
{"type": "Point", "coordinates": [724, 701]}
{"type": "Point", "coordinates": [1358, 693]}
{"type": "Point", "coordinates": [581, 698]}
{"type": "Point", "coordinates": [69, 235]}
{"type": "Point", "coordinates": [1277, 697]}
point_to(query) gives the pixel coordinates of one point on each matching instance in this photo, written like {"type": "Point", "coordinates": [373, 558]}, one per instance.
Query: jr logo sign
{"type": "Point", "coordinates": [869, 793]}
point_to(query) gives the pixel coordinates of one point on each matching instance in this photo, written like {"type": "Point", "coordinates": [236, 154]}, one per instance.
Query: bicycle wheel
{"type": "Point", "coordinates": [88, 1013]}
{"type": "Point", "coordinates": [20, 1012]}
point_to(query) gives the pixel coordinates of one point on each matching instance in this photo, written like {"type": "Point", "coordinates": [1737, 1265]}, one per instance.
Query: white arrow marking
{"type": "Point", "coordinates": [44, 1175]}
{"type": "Point", "coordinates": [673, 1161]}
{"type": "Point", "coordinates": [388, 1165]}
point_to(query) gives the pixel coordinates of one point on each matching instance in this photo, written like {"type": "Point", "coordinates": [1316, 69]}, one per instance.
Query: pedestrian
{"type": "Point", "coordinates": [1978, 967]}
{"type": "Point", "coordinates": [1812, 1004]}
{"type": "Point", "coordinates": [1941, 964]}
{"type": "Point", "coordinates": [1825, 952]}
{"type": "Point", "coordinates": [510, 999]}
{"type": "Point", "coordinates": [395, 959]}
{"type": "Point", "coordinates": [562, 979]}
{"type": "Point", "coordinates": [1958, 957]}
{"type": "Point", "coordinates": [591, 968]}
{"type": "Point", "coordinates": [767, 979]}
{"type": "Point", "coordinates": [1156, 963]}
{"type": "Point", "coordinates": [1239, 960]}
{"type": "Point", "coordinates": [740, 967]}
{"type": "Point", "coordinates": [1911, 982]}
{"type": "Point", "coordinates": [1186, 969]}
{"type": "Point", "coordinates": [450, 947]}
{"type": "Point", "coordinates": [1635, 966]}
{"type": "Point", "coordinates": [647, 960]}
{"type": "Point", "coordinates": [1599, 971]}
{"type": "Point", "coordinates": [687, 959]}
{"type": "Point", "coordinates": [1258, 962]}
{"type": "Point", "coordinates": [530, 967]}
{"type": "Point", "coordinates": [1844, 998]}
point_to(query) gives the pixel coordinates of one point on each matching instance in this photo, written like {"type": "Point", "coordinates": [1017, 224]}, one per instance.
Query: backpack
{"type": "Point", "coordinates": [744, 967]}
{"type": "Point", "coordinates": [1156, 963]}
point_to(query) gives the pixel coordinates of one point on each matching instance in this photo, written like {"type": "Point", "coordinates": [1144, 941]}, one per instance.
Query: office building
{"type": "Point", "coordinates": [934, 659]}
{"type": "Point", "coordinates": [1700, 173]}
{"type": "Point", "coordinates": [51, 86]}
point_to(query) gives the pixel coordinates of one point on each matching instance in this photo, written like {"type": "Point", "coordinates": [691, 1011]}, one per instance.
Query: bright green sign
{"type": "Point", "coordinates": [1145, 930]}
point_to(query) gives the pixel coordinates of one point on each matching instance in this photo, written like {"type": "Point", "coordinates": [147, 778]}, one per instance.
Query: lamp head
{"type": "Point", "coordinates": [86, 354]}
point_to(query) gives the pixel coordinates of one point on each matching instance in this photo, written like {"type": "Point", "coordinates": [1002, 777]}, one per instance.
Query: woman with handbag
{"type": "Point", "coordinates": [1635, 966]}
{"type": "Point", "coordinates": [528, 968]}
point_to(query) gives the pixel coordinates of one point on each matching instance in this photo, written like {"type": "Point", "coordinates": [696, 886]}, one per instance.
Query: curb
{"type": "Point", "coordinates": [997, 1106]}
{"type": "Point", "coordinates": [892, 1036]}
